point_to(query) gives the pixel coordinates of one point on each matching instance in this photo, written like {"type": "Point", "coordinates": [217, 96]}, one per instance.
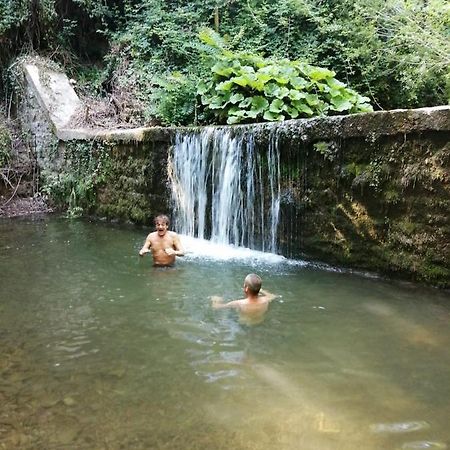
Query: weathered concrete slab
{"type": "Point", "coordinates": [371, 125]}
{"type": "Point", "coordinates": [118, 135]}
{"type": "Point", "coordinates": [54, 93]}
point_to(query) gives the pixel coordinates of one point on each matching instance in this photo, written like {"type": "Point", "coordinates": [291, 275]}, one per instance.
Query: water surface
{"type": "Point", "coordinates": [101, 351]}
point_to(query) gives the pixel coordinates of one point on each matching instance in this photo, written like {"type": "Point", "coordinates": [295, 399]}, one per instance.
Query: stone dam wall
{"type": "Point", "coordinates": [368, 191]}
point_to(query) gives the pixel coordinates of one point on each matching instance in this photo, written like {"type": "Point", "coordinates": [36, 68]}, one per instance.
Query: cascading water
{"type": "Point", "coordinates": [224, 190]}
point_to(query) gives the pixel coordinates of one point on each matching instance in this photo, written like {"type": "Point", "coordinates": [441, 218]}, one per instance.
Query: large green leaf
{"type": "Point", "coordinates": [256, 83]}
{"type": "Point", "coordinates": [302, 107]}
{"type": "Point", "coordinates": [246, 103]}
{"type": "Point", "coordinates": [340, 104]}
{"type": "Point", "coordinates": [277, 106]}
{"type": "Point", "coordinates": [233, 120]}
{"type": "Point", "coordinates": [320, 73]}
{"type": "Point", "coordinates": [281, 92]}
{"type": "Point", "coordinates": [270, 89]}
{"type": "Point", "coordinates": [312, 99]}
{"type": "Point", "coordinates": [259, 82]}
{"type": "Point", "coordinates": [236, 98]}
{"type": "Point", "coordinates": [203, 87]}
{"type": "Point", "coordinates": [362, 99]}
{"type": "Point", "coordinates": [216, 103]}
{"type": "Point", "coordinates": [222, 69]}
{"type": "Point", "coordinates": [268, 115]}
{"type": "Point", "coordinates": [235, 111]}
{"type": "Point", "coordinates": [270, 70]}
{"type": "Point", "coordinates": [219, 101]}
{"type": "Point", "coordinates": [247, 69]}
{"type": "Point", "coordinates": [335, 84]}
{"type": "Point", "coordinates": [362, 107]}
{"type": "Point", "coordinates": [293, 112]}
{"type": "Point", "coordinates": [259, 103]}
{"type": "Point", "coordinates": [242, 80]}
{"type": "Point", "coordinates": [253, 113]}
{"type": "Point", "coordinates": [224, 86]}
{"type": "Point", "coordinates": [299, 83]}
{"type": "Point", "coordinates": [296, 95]}
{"type": "Point", "coordinates": [281, 79]}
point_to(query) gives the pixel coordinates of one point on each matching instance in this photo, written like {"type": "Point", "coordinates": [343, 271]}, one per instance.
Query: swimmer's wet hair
{"type": "Point", "coordinates": [253, 282]}
{"type": "Point", "coordinates": [162, 218]}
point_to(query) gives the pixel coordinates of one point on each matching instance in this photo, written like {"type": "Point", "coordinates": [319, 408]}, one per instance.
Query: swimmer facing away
{"type": "Point", "coordinates": [163, 244]}
{"type": "Point", "coordinates": [256, 302]}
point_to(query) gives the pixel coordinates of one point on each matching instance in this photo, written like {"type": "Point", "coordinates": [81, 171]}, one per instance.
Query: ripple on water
{"type": "Point", "coordinates": [399, 427]}
{"type": "Point", "coordinates": [422, 445]}
{"type": "Point", "coordinates": [73, 347]}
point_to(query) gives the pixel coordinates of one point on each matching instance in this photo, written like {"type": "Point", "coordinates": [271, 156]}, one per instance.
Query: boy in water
{"type": "Point", "coordinates": [255, 303]}
{"type": "Point", "coordinates": [163, 244]}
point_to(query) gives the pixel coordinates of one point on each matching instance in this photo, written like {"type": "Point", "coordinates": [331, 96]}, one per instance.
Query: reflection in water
{"type": "Point", "coordinates": [407, 328]}
{"type": "Point", "coordinates": [100, 350]}
{"type": "Point", "coordinates": [402, 427]}
{"type": "Point", "coordinates": [424, 445]}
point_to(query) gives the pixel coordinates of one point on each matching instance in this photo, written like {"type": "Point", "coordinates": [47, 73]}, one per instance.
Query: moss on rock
{"type": "Point", "coordinates": [382, 205]}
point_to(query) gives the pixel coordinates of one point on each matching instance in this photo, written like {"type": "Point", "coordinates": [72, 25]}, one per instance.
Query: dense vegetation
{"type": "Point", "coordinates": [245, 87]}
{"type": "Point", "coordinates": [147, 54]}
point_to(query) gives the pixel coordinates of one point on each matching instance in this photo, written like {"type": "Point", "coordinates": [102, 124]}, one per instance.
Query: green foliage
{"type": "Point", "coordinates": [396, 52]}
{"type": "Point", "coordinates": [247, 87]}
{"type": "Point", "coordinates": [64, 29]}
{"type": "Point", "coordinates": [368, 44]}
{"type": "Point", "coordinates": [75, 188]}
{"type": "Point", "coordinates": [173, 99]}
{"type": "Point", "coordinates": [328, 150]}
{"type": "Point", "coordinates": [393, 50]}
{"type": "Point", "coordinates": [5, 144]}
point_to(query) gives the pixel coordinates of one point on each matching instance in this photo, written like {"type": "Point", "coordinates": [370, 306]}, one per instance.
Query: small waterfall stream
{"type": "Point", "coordinates": [224, 189]}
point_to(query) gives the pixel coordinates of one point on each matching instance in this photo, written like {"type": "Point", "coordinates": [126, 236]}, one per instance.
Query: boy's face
{"type": "Point", "coordinates": [161, 227]}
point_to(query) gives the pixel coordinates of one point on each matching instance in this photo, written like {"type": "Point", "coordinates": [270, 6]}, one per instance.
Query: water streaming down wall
{"type": "Point", "coordinates": [226, 189]}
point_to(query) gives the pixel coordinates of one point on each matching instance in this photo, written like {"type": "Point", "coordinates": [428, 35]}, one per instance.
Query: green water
{"type": "Point", "coordinates": [101, 351]}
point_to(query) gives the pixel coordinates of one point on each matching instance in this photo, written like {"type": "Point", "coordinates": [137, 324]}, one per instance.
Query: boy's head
{"type": "Point", "coordinates": [161, 224]}
{"type": "Point", "coordinates": [162, 218]}
{"type": "Point", "coordinates": [253, 283]}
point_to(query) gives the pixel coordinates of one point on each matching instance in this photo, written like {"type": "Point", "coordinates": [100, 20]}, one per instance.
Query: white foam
{"type": "Point", "coordinates": [200, 248]}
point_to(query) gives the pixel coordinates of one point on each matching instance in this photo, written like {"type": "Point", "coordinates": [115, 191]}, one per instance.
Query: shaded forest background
{"type": "Point", "coordinates": [145, 57]}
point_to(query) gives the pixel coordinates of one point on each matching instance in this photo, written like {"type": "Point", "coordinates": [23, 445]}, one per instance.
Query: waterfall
{"type": "Point", "coordinates": [225, 189]}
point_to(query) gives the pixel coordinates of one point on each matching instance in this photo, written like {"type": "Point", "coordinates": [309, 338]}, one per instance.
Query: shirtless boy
{"type": "Point", "coordinates": [255, 303]}
{"type": "Point", "coordinates": [163, 244]}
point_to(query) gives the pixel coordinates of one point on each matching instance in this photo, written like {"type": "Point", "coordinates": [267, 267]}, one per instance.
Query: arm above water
{"type": "Point", "coordinates": [146, 247]}
{"type": "Point", "coordinates": [267, 295]}
{"type": "Point", "coordinates": [177, 249]}
{"type": "Point", "coordinates": [217, 303]}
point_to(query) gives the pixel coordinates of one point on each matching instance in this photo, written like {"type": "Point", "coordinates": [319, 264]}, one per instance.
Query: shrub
{"type": "Point", "coordinates": [245, 87]}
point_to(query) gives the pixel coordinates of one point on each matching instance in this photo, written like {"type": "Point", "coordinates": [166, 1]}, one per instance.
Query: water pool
{"type": "Point", "coordinates": [101, 351]}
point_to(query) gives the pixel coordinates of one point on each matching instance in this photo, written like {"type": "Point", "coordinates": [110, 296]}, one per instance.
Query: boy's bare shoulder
{"type": "Point", "coordinates": [238, 303]}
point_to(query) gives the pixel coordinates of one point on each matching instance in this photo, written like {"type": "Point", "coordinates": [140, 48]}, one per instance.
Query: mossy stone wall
{"type": "Point", "coordinates": [135, 187]}
{"type": "Point", "coordinates": [378, 204]}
